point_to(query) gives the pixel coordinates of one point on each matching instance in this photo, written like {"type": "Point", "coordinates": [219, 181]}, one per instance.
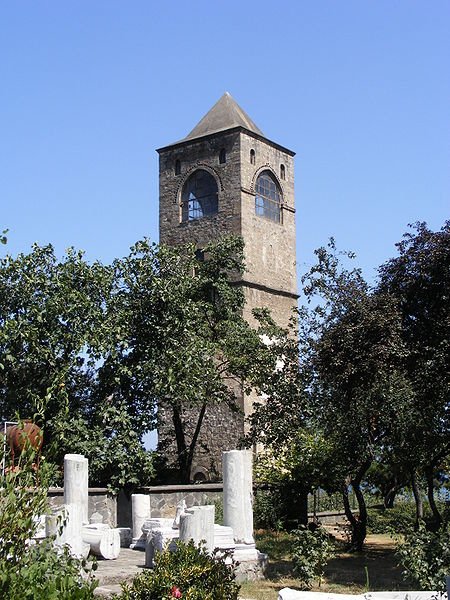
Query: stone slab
{"type": "Point", "coordinates": [290, 594]}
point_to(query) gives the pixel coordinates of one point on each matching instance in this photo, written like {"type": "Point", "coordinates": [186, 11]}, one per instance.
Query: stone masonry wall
{"type": "Point", "coordinates": [201, 154]}
{"type": "Point", "coordinates": [222, 430]}
{"type": "Point", "coordinates": [164, 500]}
{"type": "Point", "coordinates": [100, 501]}
{"type": "Point", "coordinates": [270, 278]}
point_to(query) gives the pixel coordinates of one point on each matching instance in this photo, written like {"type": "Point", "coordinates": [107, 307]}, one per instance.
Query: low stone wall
{"type": "Point", "coordinates": [330, 517]}
{"type": "Point", "coordinates": [100, 501]}
{"type": "Point", "coordinates": [116, 510]}
{"type": "Point", "coordinates": [164, 499]}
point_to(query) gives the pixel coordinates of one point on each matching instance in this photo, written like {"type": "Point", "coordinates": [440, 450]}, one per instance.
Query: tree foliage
{"type": "Point", "coordinates": [372, 367]}
{"type": "Point", "coordinates": [92, 351]}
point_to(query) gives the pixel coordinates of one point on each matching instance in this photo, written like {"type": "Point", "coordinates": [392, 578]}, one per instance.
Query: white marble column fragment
{"type": "Point", "coordinates": [238, 494]}
{"type": "Point", "coordinates": [65, 526]}
{"type": "Point", "coordinates": [76, 482]}
{"type": "Point", "coordinates": [140, 512]}
{"type": "Point", "coordinates": [197, 524]}
{"type": "Point", "coordinates": [103, 541]}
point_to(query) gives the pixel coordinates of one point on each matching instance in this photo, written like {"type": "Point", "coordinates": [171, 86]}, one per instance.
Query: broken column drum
{"type": "Point", "coordinates": [140, 511]}
{"type": "Point", "coordinates": [197, 524]}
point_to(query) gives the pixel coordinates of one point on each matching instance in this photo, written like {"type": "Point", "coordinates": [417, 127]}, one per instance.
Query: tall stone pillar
{"type": "Point", "coordinates": [76, 484]}
{"type": "Point", "coordinates": [238, 495]}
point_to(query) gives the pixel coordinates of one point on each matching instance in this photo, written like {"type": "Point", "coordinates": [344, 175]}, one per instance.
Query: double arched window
{"type": "Point", "coordinates": [199, 197]}
{"type": "Point", "coordinates": [268, 197]}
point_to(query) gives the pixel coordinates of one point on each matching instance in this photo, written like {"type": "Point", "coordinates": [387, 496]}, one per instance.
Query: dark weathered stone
{"type": "Point", "coordinates": [270, 279]}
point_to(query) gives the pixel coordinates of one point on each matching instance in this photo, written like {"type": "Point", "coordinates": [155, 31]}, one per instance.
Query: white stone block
{"type": "Point", "coordinates": [65, 526]}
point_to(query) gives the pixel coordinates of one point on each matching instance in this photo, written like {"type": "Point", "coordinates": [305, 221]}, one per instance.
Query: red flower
{"type": "Point", "coordinates": [176, 593]}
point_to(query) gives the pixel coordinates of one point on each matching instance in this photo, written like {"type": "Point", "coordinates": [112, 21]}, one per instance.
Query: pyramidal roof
{"type": "Point", "coordinates": [225, 114]}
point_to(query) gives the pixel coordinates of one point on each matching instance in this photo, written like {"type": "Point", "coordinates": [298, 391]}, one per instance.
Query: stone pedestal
{"type": "Point", "coordinates": [126, 536]}
{"type": "Point", "coordinates": [158, 534]}
{"type": "Point", "coordinates": [197, 524]}
{"type": "Point", "coordinates": [76, 484]}
{"type": "Point", "coordinates": [140, 512]}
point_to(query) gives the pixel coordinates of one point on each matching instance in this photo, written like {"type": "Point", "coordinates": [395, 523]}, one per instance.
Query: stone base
{"type": "Point", "coordinates": [125, 536]}
{"type": "Point", "coordinates": [138, 543]}
{"type": "Point", "coordinates": [252, 564]}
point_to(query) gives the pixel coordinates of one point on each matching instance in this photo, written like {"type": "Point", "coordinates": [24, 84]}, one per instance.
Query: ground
{"type": "Point", "coordinates": [375, 569]}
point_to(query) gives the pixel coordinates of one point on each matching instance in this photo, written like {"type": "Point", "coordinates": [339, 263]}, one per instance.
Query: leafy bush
{"type": "Point", "coordinates": [269, 511]}
{"type": "Point", "coordinates": [425, 557]}
{"type": "Point", "coordinates": [189, 573]}
{"type": "Point", "coordinates": [45, 573]}
{"type": "Point", "coordinates": [399, 519]}
{"type": "Point", "coordinates": [311, 550]}
{"type": "Point", "coordinates": [27, 571]}
{"type": "Point", "coordinates": [218, 511]}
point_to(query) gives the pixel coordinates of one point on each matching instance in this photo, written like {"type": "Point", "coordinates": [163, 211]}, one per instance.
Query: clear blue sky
{"type": "Point", "coordinates": [89, 89]}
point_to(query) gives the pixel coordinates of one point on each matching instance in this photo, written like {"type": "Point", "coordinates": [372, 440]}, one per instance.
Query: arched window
{"type": "Point", "coordinates": [199, 197]}
{"type": "Point", "coordinates": [268, 197]}
{"type": "Point", "coordinates": [177, 167]}
{"type": "Point", "coordinates": [222, 156]}
{"type": "Point", "coordinates": [282, 172]}
{"type": "Point", "coordinates": [252, 156]}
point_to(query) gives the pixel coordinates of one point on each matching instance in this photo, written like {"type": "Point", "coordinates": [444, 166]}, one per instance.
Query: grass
{"type": "Point", "coordinates": [374, 569]}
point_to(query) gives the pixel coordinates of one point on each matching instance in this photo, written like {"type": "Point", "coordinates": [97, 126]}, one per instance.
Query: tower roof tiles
{"type": "Point", "coordinates": [225, 114]}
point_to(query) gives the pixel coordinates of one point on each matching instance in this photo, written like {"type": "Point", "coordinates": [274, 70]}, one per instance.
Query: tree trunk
{"type": "Point", "coordinates": [347, 508]}
{"type": "Point", "coordinates": [360, 529]}
{"type": "Point", "coordinates": [193, 444]}
{"type": "Point", "coordinates": [185, 452]}
{"type": "Point", "coordinates": [437, 518]}
{"type": "Point", "coordinates": [417, 499]}
{"type": "Point", "coordinates": [358, 523]}
{"type": "Point", "coordinates": [389, 497]}
{"type": "Point", "coordinates": [297, 507]}
{"type": "Point", "coordinates": [182, 453]}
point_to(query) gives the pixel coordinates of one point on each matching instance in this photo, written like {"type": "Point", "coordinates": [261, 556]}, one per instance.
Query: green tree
{"type": "Point", "coordinates": [360, 388]}
{"type": "Point", "coordinates": [54, 333]}
{"type": "Point", "coordinates": [180, 336]}
{"type": "Point", "coordinates": [95, 350]}
{"type": "Point", "coordinates": [419, 279]}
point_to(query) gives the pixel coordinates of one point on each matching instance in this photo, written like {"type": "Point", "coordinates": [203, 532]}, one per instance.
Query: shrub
{"type": "Point", "coordinates": [425, 557]}
{"type": "Point", "coordinates": [44, 573]}
{"type": "Point", "coordinates": [189, 573]}
{"type": "Point", "coordinates": [399, 519]}
{"type": "Point", "coordinates": [218, 511]}
{"type": "Point", "coordinates": [311, 550]}
{"type": "Point", "coordinates": [34, 572]}
{"type": "Point", "coordinates": [268, 510]}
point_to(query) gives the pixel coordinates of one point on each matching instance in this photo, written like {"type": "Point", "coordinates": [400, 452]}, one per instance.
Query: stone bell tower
{"type": "Point", "coordinates": [225, 177]}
